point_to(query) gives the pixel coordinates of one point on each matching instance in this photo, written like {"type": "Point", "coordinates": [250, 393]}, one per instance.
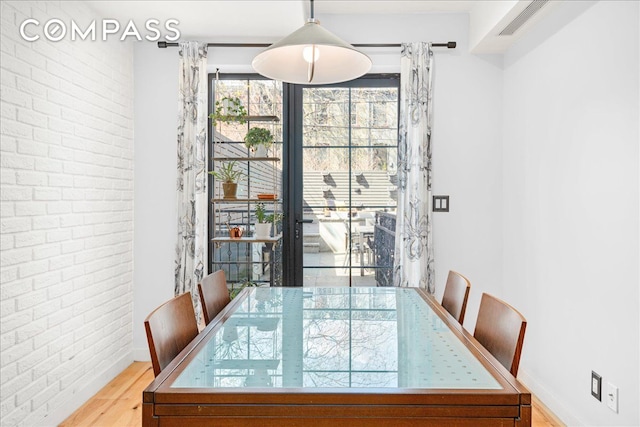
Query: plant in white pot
{"type": "Point", "coordinates": [228, 174]}
{"type": "Point", "coordinates": [258, 140]}
{"type": "Point", "coordinates": [263, 225]}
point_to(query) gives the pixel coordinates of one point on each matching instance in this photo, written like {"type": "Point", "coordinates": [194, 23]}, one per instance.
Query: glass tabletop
{"type": "Point", "coordinates": [335, 338]}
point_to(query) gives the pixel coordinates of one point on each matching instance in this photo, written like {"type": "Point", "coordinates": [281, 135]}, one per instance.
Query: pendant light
{"type": "Point", "coordinates": [311, 55]}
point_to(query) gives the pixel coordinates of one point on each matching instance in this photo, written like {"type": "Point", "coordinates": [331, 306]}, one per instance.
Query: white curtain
{"type": "Point", "coordinates": [191, 246]}
{"type": "Point", "coordinates": [414, 247]}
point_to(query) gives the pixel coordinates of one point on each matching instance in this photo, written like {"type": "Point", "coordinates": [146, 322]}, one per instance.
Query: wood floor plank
{"type": "Point", "coordinates": [87, 413]}
{"type": "Point", "coordinates": [119, 403]}
{"type": "Point", "coordinates": [121, 385]}
{"type": "Point", "coordinates": [544, 416]}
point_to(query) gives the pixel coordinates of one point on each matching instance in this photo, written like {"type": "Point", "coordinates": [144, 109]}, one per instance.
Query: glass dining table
{"type": "Point", "coordinates": [360, 356]}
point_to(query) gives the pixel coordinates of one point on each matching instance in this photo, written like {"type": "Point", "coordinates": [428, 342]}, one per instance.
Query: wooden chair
{"type": "Point", "coordinates": [214, 295]}
{"type": "Point", "coordinates": [456, 293]}
{"type": "Point", "coordinates": [500, 329]}
{"type": "Point", "coordinates": [170, 328]}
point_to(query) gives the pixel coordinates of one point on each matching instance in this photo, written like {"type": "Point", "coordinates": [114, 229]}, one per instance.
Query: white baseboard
{"type": "Point", "coordinates": [141, 354]}
{"type": "Point", "coordinates": [549, 400]}
{"type": "Point", "coordinates": [78, 399]}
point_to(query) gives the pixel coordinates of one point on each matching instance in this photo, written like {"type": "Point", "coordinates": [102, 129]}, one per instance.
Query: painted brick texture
{"type": "Point", "coordinates": [66, 216]}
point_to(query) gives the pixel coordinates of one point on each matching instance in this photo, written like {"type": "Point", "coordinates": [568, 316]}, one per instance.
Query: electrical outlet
{"type": "Point", "coordinates": [612, 397]}
{"type": "Point", "coordinates": [596, 386]}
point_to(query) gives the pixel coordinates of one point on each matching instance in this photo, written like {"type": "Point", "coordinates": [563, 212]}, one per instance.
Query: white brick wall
{"type": "Point", "coordinates": [66, 215]}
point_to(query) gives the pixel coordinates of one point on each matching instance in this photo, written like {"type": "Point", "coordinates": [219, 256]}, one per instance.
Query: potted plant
{"type": "Point", "coordinates": [264, 221]}
{"type": "Point", "coordinates": [263, 225]}
{"type": "Point", "coordinates": [228, 174]}
{"type": "Point", "coordinates": [229, 109]}
{"type": "Point", "coordinates": [258, 140]}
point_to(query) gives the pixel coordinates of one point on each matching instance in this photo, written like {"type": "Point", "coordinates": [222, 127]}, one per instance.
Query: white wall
{"type": "Point", "coordinates": [571, 207]}
{"type": "Point", "coordinates": [66, 218]}
{"type": "Point", "coordinates": [467, 147]}
{"type": "Point", "coordinates": [156, 121]}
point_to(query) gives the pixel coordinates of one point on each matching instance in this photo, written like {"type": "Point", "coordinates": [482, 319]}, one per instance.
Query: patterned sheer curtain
{"type": "Point", "coordinates": [191, 246]}
{"type": "Point", "coordinates": [414, 247]}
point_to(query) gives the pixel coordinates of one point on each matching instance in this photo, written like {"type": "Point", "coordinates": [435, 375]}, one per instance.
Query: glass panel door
{"type": "Point", "coordinates": [348, 142]}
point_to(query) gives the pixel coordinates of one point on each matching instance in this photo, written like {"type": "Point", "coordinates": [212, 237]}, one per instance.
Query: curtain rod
{"type": "Point", "coordinates": [162, 45]}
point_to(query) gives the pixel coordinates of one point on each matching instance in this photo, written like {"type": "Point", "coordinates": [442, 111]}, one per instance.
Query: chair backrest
{"type": "Point", "coordinates": [456, 293]}
{"type": "Point", "coordinates": [170, 328]}
{"type": "Point", "coordinates": [214, 295]}
{"type": "Point", "coordinates": [500, 329]}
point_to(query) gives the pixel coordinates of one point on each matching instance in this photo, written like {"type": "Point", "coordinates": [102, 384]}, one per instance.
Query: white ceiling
{"type": "Point", "coordinates": [265, 21]}
{"type": "Point", "coordinates": [392, 7]}
{"type": "Point", "coordinates": [243, 20]}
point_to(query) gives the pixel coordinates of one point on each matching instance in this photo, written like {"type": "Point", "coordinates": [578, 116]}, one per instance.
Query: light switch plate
{"type": "Point", "coordinates": [596, 386]}
{"type": "Point", "coordinates": [440, 204]}
{"type": "Point", "coordinates": [612, 397]}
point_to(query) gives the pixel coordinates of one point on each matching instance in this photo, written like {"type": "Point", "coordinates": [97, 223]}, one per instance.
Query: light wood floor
{"type": "Point", "coordinates": [119, 403]}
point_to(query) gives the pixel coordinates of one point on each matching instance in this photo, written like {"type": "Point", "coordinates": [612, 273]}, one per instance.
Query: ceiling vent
{"type": "Point", "coordinates": [523, 17]}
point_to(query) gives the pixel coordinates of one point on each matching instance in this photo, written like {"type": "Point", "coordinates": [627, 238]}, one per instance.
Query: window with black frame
{"type": "Point", "coordinates": [341, 153]}
{"type": "Point", "coordinates": [245, 188]}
